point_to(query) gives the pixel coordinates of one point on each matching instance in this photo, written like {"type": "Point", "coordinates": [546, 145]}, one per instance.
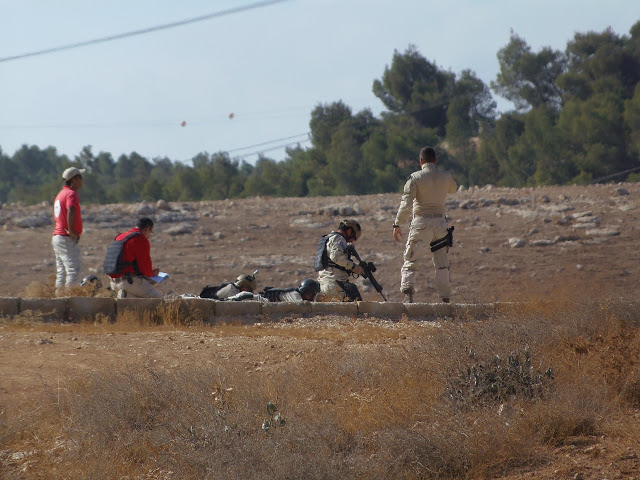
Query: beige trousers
{"type": "Point", "coordinates": [68, 261]}
{"type": "Point", "coordinates": [422, 232]}
{"type": "Point", "coordinates": [140, 288]}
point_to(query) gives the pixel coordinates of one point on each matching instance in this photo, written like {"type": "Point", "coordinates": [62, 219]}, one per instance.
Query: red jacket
{"type": "Point", "coordinates": [136, 248]}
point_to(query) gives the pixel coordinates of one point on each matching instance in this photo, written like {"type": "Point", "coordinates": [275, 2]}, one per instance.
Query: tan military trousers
{"type": "Point", "coordinates": [422, 232]}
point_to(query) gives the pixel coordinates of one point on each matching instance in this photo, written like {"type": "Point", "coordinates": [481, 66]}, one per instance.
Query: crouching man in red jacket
{"type": "Point", "coordinates": [136, 256]}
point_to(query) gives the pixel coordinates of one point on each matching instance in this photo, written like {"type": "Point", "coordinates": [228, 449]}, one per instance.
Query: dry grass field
{"type": "Point", "coordinates": [548, 388]}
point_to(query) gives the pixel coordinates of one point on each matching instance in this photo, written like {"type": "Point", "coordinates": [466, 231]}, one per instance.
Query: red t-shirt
{"type": "Point", "coordinates": [136, 248]}
{"type": "Point", "coordinates": [66, 199]}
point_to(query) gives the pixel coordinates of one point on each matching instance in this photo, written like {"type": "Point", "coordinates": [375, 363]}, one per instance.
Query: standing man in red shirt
{"type": "Point", "coordinates": [66, 234]}
{"type": "Point", "coordinates": [136, 253]}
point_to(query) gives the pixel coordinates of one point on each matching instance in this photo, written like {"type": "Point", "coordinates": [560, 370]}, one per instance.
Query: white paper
{"type": "Point", "coordinates": [160, 277]}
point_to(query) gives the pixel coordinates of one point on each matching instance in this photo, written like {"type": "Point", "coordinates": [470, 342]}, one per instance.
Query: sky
{"type": "Point", "coordinates": [246, 80]}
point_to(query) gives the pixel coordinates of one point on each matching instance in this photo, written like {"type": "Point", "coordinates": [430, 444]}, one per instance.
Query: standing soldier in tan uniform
{"type": "Point", "coordinates": [424, 201]}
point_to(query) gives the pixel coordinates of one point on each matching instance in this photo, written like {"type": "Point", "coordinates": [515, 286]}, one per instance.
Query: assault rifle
{"type": "Point", "coordinates": [367, 269]}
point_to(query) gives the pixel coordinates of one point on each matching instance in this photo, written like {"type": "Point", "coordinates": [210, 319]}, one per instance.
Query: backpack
{"type": "Point", "coordinates": [211, 291]}
{"type": "Point", "coordinates": [113, 263]}
{"type": "Point", "coordinates": [321, 259]}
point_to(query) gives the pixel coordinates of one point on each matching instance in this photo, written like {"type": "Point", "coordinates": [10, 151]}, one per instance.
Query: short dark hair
{"type": "Point", "coordinates": [144, 222]}
{"type": "Point", "coordinates": [428, 154]}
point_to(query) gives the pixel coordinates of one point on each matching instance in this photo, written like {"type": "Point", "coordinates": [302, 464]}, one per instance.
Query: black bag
{"type": "Point", "coordinates": [321, 259]}
{"type": "Point", "coordinates": [211, 291]}
{"type": "Point", "coordinates": [113, 264]}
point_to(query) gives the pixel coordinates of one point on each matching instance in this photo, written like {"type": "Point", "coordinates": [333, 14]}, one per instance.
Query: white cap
{"type": "Point", "coordinates": [71, 172]}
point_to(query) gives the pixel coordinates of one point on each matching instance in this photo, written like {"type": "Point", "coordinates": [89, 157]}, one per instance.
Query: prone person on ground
{"type": "Point", "coordinates": [423, 201]}
{"type": "Point", "coordinates": [306, 291]}
{"type": "Point", "coordinates": [334, 265]}
{"type": "Point", "coordinates": [244, 283]}
{"type": "Point", "coordinates": [134, 267]}
{"type": "Point", "coordinates": [67, 231]}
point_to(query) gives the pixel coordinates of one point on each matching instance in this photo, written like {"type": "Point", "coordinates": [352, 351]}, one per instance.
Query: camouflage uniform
{"type": "Point", "coordinates": [330, 276]}
{"type": "Point", "coordinates": [424, 201]}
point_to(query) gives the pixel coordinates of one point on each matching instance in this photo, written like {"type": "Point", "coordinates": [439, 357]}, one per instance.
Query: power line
{"type": "Point", "coordinates": [143, 31]}
{"type": "Point", "coordinates": [277, 147]}
{"type": "Point", "coordinates": [271, 141]}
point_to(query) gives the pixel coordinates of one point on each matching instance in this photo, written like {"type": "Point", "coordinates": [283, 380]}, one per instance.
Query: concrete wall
{"type": "Point", "coordinates": [211, 311]}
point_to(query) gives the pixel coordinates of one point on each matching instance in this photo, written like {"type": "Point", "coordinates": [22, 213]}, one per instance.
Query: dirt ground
{"type": "Point", "coordinates": [571, 237]}
{"type": "Point", "coordinates": [509, 244]}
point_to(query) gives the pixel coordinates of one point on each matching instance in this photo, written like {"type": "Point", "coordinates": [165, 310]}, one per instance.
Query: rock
{"type": "Point", "coordinates": [566, 238]}
{"type": "Point", "coordinates": [585, 225]}
{"type": "Point", "coordinates": [603, 232]}
{"type": "Point", "coordinates": [175, 217]}
{"type": "Point", "coordinates": [143, 209]}
{"type": "Point", "coordinates": [589, 219]}
{"type": "Point", "coordinates": [515, 242]}
{"type": "Point", "coordinates": [33, 221]}
{"type": "Point", "coordinates": [621, 191]}
{"type": "Point", "coordinates": [162, 205]}
{"type": "Point", "coordinates": [340, 210]}
{"type": "Point", "coordinates": [181, 229]}
{"type": "Point", "coordinates": [542, 243]}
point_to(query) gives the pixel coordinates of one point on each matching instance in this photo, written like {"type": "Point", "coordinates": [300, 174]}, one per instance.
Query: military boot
{"type": "Point", "coordinates": [408, 296]}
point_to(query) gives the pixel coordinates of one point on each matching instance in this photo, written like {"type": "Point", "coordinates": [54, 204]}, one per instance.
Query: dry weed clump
{"type": "Point", "coordinates": [48, 290]}
{"type": "Point", "coordinates": [170, 314]}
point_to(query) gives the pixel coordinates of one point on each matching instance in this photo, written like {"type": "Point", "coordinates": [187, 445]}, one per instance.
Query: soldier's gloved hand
{"type": "Point", "coordinates": [357, 270]}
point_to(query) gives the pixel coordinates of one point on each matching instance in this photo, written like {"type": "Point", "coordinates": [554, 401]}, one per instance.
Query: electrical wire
{"type": "Point", "coordinates": [277, 147]}
{"type": "Point", "coordinates": [271, 141]}
{"type": "Point", "coordinates": [142, 31]}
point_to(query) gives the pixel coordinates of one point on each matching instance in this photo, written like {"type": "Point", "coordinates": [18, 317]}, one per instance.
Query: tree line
{"type": "Point", "coordinates": [576, 119]}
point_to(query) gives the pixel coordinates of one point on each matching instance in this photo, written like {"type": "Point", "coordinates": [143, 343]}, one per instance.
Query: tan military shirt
{"type": "Point", "coordinates": [425, 193]}
{"type": "Point", "coordinates": [336, 245]}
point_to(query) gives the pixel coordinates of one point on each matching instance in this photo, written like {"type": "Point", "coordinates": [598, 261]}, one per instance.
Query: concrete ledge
{"type": "Point", "coordinates": [334, 308]}
{"type": "Point", "coordinates": [137, 304]}
{"type": "Point", "coordinates": [280, 308]}
{"type": "Point", "coordinates": [49, 308]}
{"type": "Point", "coordinates": [238, 308]}
{"type": "Point", "coordinates": [389, 309]}
{"type": "Point", "coordinates": [200, 309]}
{"type": "Point", "coordinates": [9, 306]}
{"type": "Point", "coordinates": [248, 312]}
{"type": "Point", "coordinates": [83, 308]}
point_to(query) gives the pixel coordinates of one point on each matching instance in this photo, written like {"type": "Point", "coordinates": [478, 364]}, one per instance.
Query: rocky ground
{"type": "Point", "coordinates": [508, 243]}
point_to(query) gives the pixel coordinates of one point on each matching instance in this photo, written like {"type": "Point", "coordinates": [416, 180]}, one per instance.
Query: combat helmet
{"type": "Point", "coordinates": [309, 285]}
{"type": "Point", "coordinates": [347, 223]}
{"type": "Point", "coordinates": [91, 280]}
{"type": "Point", "coordinates": [247, 282]}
